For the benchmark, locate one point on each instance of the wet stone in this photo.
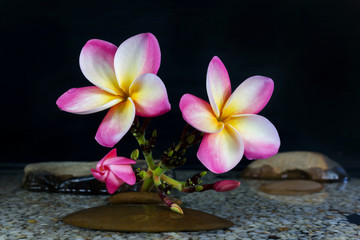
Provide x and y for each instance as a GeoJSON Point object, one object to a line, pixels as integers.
{"type": "Point", "coordinates": [296, 165]}
{"type": "Point", "coordinates": [70, 177]}
{"type": "Point", "coordinates": [354, 218]}
{"type": "Point", "coordinates": [144, 218]}
{"type": "Point", "coordinates": [139, 198]}
{"type": "Point", "coordinates": [135, 198]}
{"type": "Point", "coordinates": [292, 187]}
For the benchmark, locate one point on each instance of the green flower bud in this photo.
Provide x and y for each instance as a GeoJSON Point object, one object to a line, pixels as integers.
{"type": "Point", "coordinates": [175, 208]}
{"type": "Point", "coordinates": [135, 154]}
{"type": "Point", "coordinates": [171, 152]}
{"type": "Point", "coordinates": [154, 133]}
{"type": "Point", "coordinates": [177, 148]}
{"type": "Point", "coordinates": [190, 139]}
{"type": "Point", "coordinates": [141, 174]}
{"type": "Point", "coordinates": [199, 188]}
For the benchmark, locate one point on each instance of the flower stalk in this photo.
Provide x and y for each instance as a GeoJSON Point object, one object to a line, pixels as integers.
{"type": "Point", "coordinates": [145, 145]}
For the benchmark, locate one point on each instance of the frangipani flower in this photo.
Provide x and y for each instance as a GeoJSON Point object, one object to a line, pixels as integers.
{"type": "Point", "coordinates": [229, 122]}
{"type": "Point", "coordinates": [125, 82]}
{"type": "Point", "coordinates": [114, 171]}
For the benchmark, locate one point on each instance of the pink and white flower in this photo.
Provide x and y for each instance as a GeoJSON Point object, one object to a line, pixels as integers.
{"type": "Point", "coordinates": [232, 128]}
{"type": "Point", "coordinates": [125, 82]}
{"type": "Point", "coordinates": [114, 171]}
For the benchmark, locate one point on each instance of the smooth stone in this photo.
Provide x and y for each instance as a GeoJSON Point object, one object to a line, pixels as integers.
{"type": "Point", "coordinates": [292, 187]}
{"type": "Point", "coordinates": [70, 177]}
{"type": "Point", "coordinates": [296, 165]}
{"type": "Point", "coordinates": [65, 177]}
{"type": "Point", "coordinates": [144, 218]}
{"type": "Point", "coordinates": [66, 169]}
{"type": "Point", "coordinates": [139, 198]}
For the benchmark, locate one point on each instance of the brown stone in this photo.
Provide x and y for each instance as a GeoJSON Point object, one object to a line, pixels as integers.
{"type": "Point", "coordinates": [138, 198]}
{"type": "Point", "coordinates": [65, 177]}
{"type": "Point", "coordinates": [135, 198]}
{"type": "Point", "coordinates": [144, 218]}
{"type": "Point", "coordinates": [292, 187]}
{"type": "Point", "coordinates": [296, 165]}
{"type": "Point", "coordinates": [70, 177]}
{"type": "Point", "coordinates": [70, 169]}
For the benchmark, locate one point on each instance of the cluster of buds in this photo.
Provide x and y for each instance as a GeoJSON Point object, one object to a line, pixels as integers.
{"type": "Point", "coordinates": [138, 131]}
{"type": "Point", "coordinates": [165, 188]}
{"type": "Point", "coordinates": [173, 157]}
{"type": "Point", "coordinates": [195, 180]}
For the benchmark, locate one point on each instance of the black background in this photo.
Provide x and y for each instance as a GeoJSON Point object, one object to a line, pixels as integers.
{"type": "Point", "coordinates": [309, 48]}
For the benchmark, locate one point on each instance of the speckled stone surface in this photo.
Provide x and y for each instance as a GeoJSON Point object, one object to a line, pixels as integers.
{"type": "Point", "coordinates": [257, 215]}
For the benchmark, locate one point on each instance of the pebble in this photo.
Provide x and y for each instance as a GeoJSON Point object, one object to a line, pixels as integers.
{"type": "Point", "coordinates": [126, 218]}
{"type": "Point", "coordinates": [79, 238]}
{"type": "Point", "coordinates": [256, 215]}
{"type": "Point", "coordinates": [291, 187]}
{"type": "Point", "coordinates": [297, 165]}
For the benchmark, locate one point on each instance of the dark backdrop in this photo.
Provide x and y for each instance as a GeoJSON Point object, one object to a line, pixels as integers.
{"type": "Point", "coordinates": [309, 48]}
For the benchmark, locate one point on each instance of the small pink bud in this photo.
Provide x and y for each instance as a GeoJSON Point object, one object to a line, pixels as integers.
{"type": "Point", "coordinates": [226, 185]}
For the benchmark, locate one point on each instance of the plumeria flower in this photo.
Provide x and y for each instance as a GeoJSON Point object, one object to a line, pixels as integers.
{"type": "Point", "coordinates": [114, 171]}
{"type": "Point", "coordinates": [232, 128]}
{"type": "Point", "coordinates": [125, 82]}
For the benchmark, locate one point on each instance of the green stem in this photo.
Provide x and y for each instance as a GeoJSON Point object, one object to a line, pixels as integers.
{"type": "Point", "coordinates": [183, 136]}
{"type": "Point", "coordinates": [159, 171]}
{"type": "Point", "coordinates": [176, 184]}
{"type": "Point", "coordinates": [157, 180]}
{"type": "Point", "coordinates": [147, 183]}
{"type": "Point", "coordinates": [148, 156]}
{"type": "Point", "coordinates": [139, 134]}
{"type": "Point", "coordinates": [156, 174]}
{"type": "Point", "coordinates": [149, 160]}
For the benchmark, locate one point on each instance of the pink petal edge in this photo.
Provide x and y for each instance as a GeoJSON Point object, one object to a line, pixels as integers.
{"type": "Point", "coordinates": [218, 85]}
{"type": "Point", "coordinates": [116, 123]}
{"type": "Point", "coordinates": [250, 97]}
{"type": "Point", "coordinates": [113, 183]}
{"type": "Point", "coordinates": [100, 176]}
{"type": "Point", "coordinates": [135, 56]}
{"type": "Point", "coordinates": [124, 172]}
{"type": "Point", "coordinates": [86, 100]}
{"type": "Point", "coordinates": [261, 139]}
{"type": "Point", "coordinates": [199, 114]}
{"type": "Point", "coordinates": [220, 152]}
{"type": "Point", "coordinates": [111, 154]}
{"type": "Point", "coordinates": [97, 64]}
{"type": "Point", "coordinates": [118, 161]}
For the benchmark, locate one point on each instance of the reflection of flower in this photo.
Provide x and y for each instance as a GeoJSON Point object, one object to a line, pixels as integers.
{"type": "Point", "coordinates": [125, 82]}
{"type": "Point", "coordinates": [114, 171]}
{"type": "Point", "coordinates": [229, 122]}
